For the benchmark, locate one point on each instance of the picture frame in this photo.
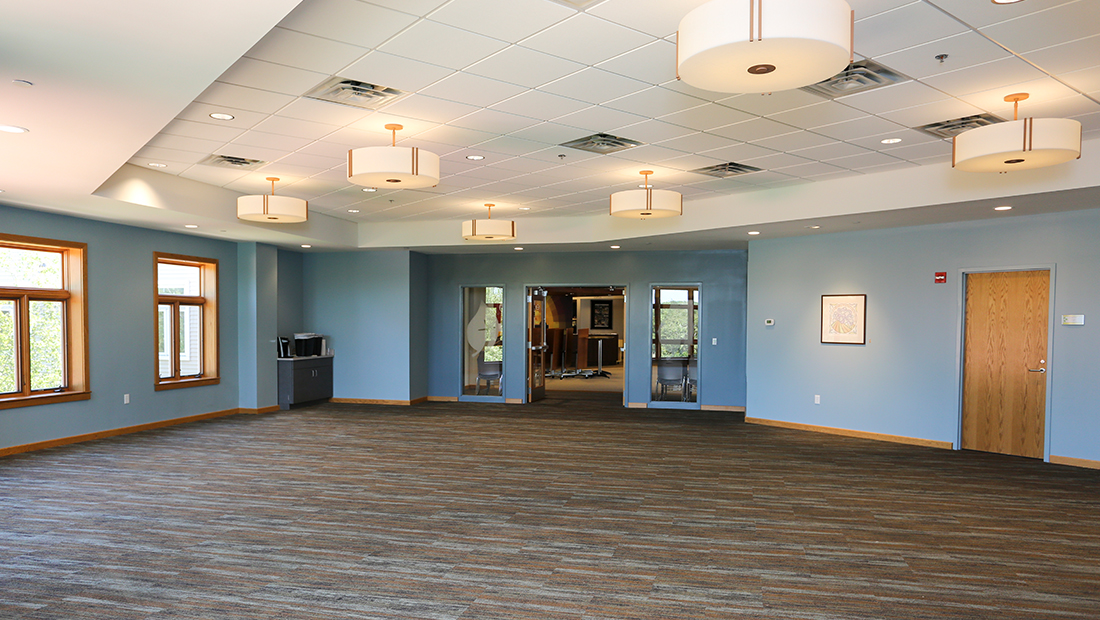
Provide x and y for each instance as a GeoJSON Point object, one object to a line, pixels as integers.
{"type": "Point", "coordinates": [844, 319]}
{"type": "Point", "coordinates": [601, 314]}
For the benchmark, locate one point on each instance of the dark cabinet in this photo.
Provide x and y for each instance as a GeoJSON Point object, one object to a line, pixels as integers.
{"type": "Point", "coordinates": [304, 379]}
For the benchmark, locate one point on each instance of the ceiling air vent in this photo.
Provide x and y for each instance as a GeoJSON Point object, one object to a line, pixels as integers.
{"type": "Point", "coordinates": [859, 77]}
{"type": "Point", "coordinates": [602, 143]}
{"type": "Point", "coordinates": [950, 129]}
{"type": "Point", "coordinates": [729, 169]}
{"type": "Point", "coordinates": [228, 161]}
{"type": "Point", "coordinates": [357, 94]}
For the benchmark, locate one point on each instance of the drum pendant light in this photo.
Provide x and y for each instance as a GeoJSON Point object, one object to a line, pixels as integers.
{"type": "Point", "coordinates": [393, 167]}
{"type": "Point", "coordinates": [271, 208]}
{"type": "Point", "coordinates": [648, 202]}
{"type": "Point", "coordinates": [489, 229]}
{"type": "Point", "coordinates": [763, 46]}
{"type": "Point", "coordinates": [1017, 145]}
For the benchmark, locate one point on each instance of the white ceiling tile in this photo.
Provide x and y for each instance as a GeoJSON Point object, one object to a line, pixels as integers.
{"type": "Point", "coordinates": [865, 160]}
{"type": "Point", "coordinates": [494, 121]}
{"type": "Point", "coordinates": [376, 124]}
{"type": "Point", "coordinates": [587, 39]}
{"type": "Point", "coordinates": [270, 141]}
{"type": "Point", "coordinates": [304, 51]}
{"type": "Point", "coordinates": [348, 137]}
{"type": "Point", "coordinates": [270, 76]}
{"type": "Point", "coordinates": [307, 160]}
{"type": "Point", "coordinates": [212, 175]}
{"type": "Point", "coordinates": [893, 97]}
{"type": "Point", "coordinates": [867, 8]}
{"type": "Point", "coordinates": [921, 151]}
{"type": "Point", "coordinates": [599, 119]}
{"type": "Point", "coordinates": [594, 86]}
{"type": "Point", "coordinates": [1090, 123]}
{"type": "Point", "coordinates": [430, 109]}
{"type": "Point", "coordinates": [754, 129]}
{"type": "Point", "coordinates": [508, 20]}
{"type": "Point", "coordinates": [648, 153]}
{"type": "Point", "coordinates": [905, 26]}
{"type": "Point", "coordinates": [1086, 80]}
{"type": "Point", "coordinates": [472, 89]}
{"type": "Point", "coordinates": [767, 104]}
{"type": "Point", "coordinates": [834, 150]}
{"type": "Point", "coordinates": [932, 113]}
{"type": "Point", "coordinates": [243, 98]}
{"type": "Point", "coordinates": [204, 131]}
{"type": "Point", "coordinates": [295, 127]}
{"type": "Point", "coordinates": [521, 164]}
{"type": "Point", "coordinates": [250, 152]}
{"type": "Point", "coordinates": [540, 105]}
{"type": "Point", "coordinates": [439, 44]}
{"type": "Point", "coordinates": [1010, 70]}
{"type": "Point", "coordinates": [288, 173]}
{"type": "Point", "coordinates": [1065, 22]}
{"type": "Point", "coordinates": [488, 174]}
{"type": "Point", "coordinates": [349, 21]}
{"type": "Point", "coordinates": [963, 50]}
{"type": "Point", "coordinates": [395, 72]}
{"type": "Point", "coordinates": [158, 154]}
{"type": "Point", "coordinates": [550, 133]}
{"type": "Point", "coordinates": [777, 160]}
{"type": "Point", "coordinates": [707, 116]}
{"type": "Point", "coordinates": [1067, 57]}
{"type": "Point", "coordinates": [794, 141]}
{"type": "Point", "coordinates": [457, 136]}
{"type": "Point", "coordinates": [897, 164]}
{"type": "Point", "coordinates": [1041, 91]}
{"type": "Point", "coordinates": [655, 102]}
{"type": "Point", "coordinates": [908, 137]}
{"type": "Point", "coordinates": [1068, 107]}
{"type": "Point", "coordinates": [818, 115]}
{"type": "Point", "coordinates": [691, 162]}
{"type": "Point", "coordinates": [509, 145]}
{"type": "Point", "coordinates": [659, 18]}
{"type": "Point", "coordinates": [519, 65]}
{"type": "Point", "coordinates": [739, 152]}
{"type": "Point", "coordinates": [811, 169]}
{"type": "Point", "coordinates": [980, 14]}
{"type": "Point", "coordinates": [650, 63]}
{"type": "Point", "coordinates": [859, 128]}
{"type": "Point", "coordinates": [200, 113]}
{"type": "Point", "coordinates": [697, 142]}
{"type": "Point", "coordinates": [651, 131]}
{"type": "Point", "coordinates": [318, 111]}
{"type": "Point", "coordinates": [322, 148]}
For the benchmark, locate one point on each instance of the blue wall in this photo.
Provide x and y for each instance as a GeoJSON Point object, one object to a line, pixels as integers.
{"type": "Point", "coordinates": [418, 325]}
{"type": "Point", "coordinates": [290, 294]}
{"type": "Point", "coordinates": [121, 324]}
{"type": "Point", "coordinates": [257, 324]}
{"type": "Point", "coordinates": [721, 274]}
{"type": "Point", "coordinates": [905, 380]}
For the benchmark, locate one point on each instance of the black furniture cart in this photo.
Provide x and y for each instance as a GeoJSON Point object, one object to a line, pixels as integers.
{"type": "Point", "coordinates": [304, 379]}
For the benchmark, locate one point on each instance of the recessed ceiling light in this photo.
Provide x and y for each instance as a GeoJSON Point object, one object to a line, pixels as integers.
{"type": "Point", "coordinates": [754, 232]}
{"type": "Point", "coordinates": [1004, 208]}
{"type": "Point", "coordinates": [306, 245]}
{"type": "Point", "coordinates": [1006, 1]}
{"type": "Point", "coordinates": [157, 165]}
{"type": "Point", "coordinates": [222, 116]}
{"type": "Point", "coordinates": [518, 249]}
{"type": "Point", "coordinates": [353, 210]}
{"type": "Point", "coordinates": [891, 140]}
{"type": "Point", "coordinates": [13, 129]}
{"type": "Point", "coordinates": [475, 157]}
{"type": "Point", "coordinates": [815, 227]}
{"type": "Point", "coordinates": [190, 225]}
{"type": "Point", "coordinates": [525, 208]}
{"type": "Point", "coordinates": [370, 189]}
{"type": "Point", "coordinates": [615, 247]}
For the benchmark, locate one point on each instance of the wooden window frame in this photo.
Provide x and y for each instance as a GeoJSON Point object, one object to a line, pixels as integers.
{"type": "Point", "coordinates": [208, 301]}
{"type": "Point", "coordinates": [74, 296]}
{"type": "Point", "coordinates": [692, 306]}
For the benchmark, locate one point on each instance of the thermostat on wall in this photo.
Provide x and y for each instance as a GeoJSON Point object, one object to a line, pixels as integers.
{"type": "Point", "coordinates": [769, 321]}
{"type": "Point", "coordinates": [1073, 319]}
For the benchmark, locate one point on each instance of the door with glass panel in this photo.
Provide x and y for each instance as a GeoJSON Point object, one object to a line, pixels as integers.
{"type": "Point", "coordinates": [675, 344]}
{"type": "Point", "coordinates": [483, 342]}
{"type": "Point", "coordinates": [536, 344]}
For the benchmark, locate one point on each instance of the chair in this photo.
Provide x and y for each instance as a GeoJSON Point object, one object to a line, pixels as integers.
{"type": "Point", "coordinates": [670, 373]}
{"type": "Point", "coordinates": [488, 372]}
{"type": "Point", "coordinates": [691, 380]}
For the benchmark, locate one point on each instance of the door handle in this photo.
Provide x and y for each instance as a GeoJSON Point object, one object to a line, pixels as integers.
{"type": "Point", "coordinates": [1036, 369]}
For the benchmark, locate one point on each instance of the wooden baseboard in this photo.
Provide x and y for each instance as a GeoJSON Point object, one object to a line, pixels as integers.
{"type": "Point", "coordinates": [913, 441]}
{"type": "Point", "coordinates": [1074, 462]}
{"type": "Point", "coordinates": [513, 401]}
{"type": "Point", "coordinates": [373, 401]}
{"type": "Point", "coordinates": [442, 399]}
{"type": "Point", "coordinates": [114, 432]}
{"type": "Point", "coordinates": [637, 405]}
{"type": "Point", "coordinates": [722, 408]}
{"type": "Point", "coordinates": [271, 409]}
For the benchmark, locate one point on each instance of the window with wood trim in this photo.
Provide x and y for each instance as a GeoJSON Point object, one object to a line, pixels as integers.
{"type": "Point", "coordinates": [187, 321]}
{"type": "Point", "coordinates": [43, 321]}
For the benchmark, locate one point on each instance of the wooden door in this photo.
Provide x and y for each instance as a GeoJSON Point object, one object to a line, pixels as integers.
{"type": "Point", "coordinates": [1004, 362]}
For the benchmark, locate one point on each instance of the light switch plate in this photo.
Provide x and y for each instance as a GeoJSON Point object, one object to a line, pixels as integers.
{"type": "Point", "coordinates": [1073, 319]}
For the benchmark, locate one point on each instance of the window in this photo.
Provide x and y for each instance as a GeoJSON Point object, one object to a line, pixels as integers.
{"type": "Point", "coordinates": [187, 321]}
{"type": "Point", "coordinates": [43, 321]}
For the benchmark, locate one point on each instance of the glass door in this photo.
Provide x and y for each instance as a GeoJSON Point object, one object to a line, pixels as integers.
{"type": "Point", "coordinates": [536, 344]}
{"type": "Point", "coordinates": [483, 342]}
{"type": "Point", "coordinates": [675, 345]}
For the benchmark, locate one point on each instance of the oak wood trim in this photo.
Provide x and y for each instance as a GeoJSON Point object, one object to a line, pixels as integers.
{"type": "Point", "coordinates": [186, 383]}
{"type": "Point", "coordinates": [114, 432]}
{"type": "Point", "coordinates": [442, 399]}
{"type": "Point", "coordinates": [722, 408]}
{"type": "Point", "coordinates": [513, 401]}
{"type": "Point", "coordinates": [912, 441]}
{"type": "Point", "coordinates": [369, 401]}
{"type": "Point", "coordinates": [1074, 462]}
{"type": "Point", "coordinates": [271, 409]}
{"type": "Point", "coordinates": [637, 405]}
{"type": "Point", "coordinates": [43, 399]}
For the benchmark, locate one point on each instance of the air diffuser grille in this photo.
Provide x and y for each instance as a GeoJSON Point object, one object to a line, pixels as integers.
{"type": "Point", "coordinates": [950, 129]}
{"type": "Point", "coordinates": [229, 161]}
{"type": "Point", "coordinates": [859, 77]}
{"type": "Point", "coordinates": [602, 143]}
{"type": "Point", "coordinates": [729, 169]}
{"type": "Point", "coordinates": [356, 94]}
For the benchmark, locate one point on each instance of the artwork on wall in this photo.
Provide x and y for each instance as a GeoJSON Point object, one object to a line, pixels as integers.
{"type": "Point", "coordinates": [843, 319]}
{"type": "Point", "coordinates": [601, 314]}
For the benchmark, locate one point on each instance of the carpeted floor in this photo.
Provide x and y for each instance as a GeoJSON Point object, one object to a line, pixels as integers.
{"type": "Point", "coordinates": [565, 509]}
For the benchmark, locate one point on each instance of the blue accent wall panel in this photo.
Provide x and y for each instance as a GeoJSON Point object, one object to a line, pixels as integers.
{"type": "Point", "coordinates": [906, 379]}
{"type": "Point", "coordinates": [290, 293]}
{"type": "Point", "coordinates": [418, 325]}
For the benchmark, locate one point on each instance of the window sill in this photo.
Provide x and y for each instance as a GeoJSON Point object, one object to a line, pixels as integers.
{"type": "Point", "coordinates": [42, 399]}
{"type": "Point", "coordinates": [186, 383]}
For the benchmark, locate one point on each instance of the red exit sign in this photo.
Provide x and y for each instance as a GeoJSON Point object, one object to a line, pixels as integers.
{"type": "Point", "coordinates": [941, 277]}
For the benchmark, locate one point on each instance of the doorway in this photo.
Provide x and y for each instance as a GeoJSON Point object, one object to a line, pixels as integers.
{"type": "Point", "coordinates": [1006, 323]}
{"type": "Point", "coordinates": [576, 341]}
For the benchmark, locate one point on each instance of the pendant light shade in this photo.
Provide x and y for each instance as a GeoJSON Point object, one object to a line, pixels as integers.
{"type": "Point", "coordinates": [394, 167]}
{"type": "Point", "coordinates": [648, 202]}
{"type": "Point", "coordinates": [271, 208]}
{"type": "Point", "coordinates": [1020, 144]}
{"type": "Point", "coordinates": [763, 46]}
{"type": "Point", "coordinates": [489, 229]}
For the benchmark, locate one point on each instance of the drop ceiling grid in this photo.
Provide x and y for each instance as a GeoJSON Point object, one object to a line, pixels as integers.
{"type": "Point", "coordinates": [527, 110]}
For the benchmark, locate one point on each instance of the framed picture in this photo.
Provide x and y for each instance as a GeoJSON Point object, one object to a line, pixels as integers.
{"type": "Point", "coordinates": [844, 319]}
{"type": "Point", "coordinates": [601, 314]}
